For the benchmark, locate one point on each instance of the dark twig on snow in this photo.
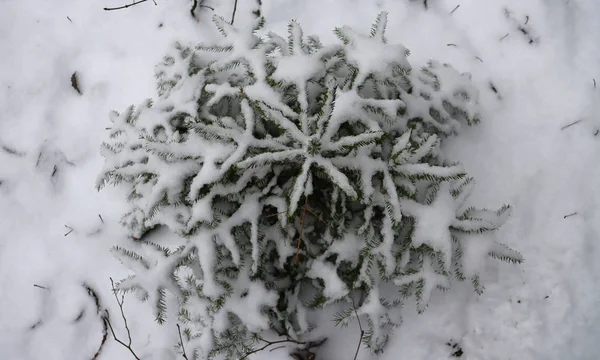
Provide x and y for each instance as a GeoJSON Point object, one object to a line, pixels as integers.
{"type": "Point", "coordinates": [569, 215]}
{"type": "Point", "coordinates": [597, 132]}
{"type": "Point", "coordinates": [75, 83]}
{"type": "Point", "coordinates": [181, 342]}
{"type": "Point", "coordinates": [504, 37]}
{"type": "Point", "coordinates": [362, 331]}
{"type": "Point", "coordinates": [107, 320]}
{"type": "Point", "coordinates": [594, 83]}
{"type": "Point", "coordinates": [478, 58]}
{"type": "Point", "coordinates": [526, 19]}
{"type": "Point", "coordinates": [571, 124]}
{"type": "Point", "coordinates": [234, 10]}
{"type": "Point", "coordinates": [68, 18]}
{"type": "Point", "coordinates": [70, 229]}
{"type": "Point", "coordinates": [277, 348]}
{"type": "Point", "coordinates": [12, 151]}
{"type": "Point", "coordinates": [101, 219]}
{"type": "Point", "coordinates": [271, 343]}
{"type": "Point", "coordinates": [257, 12]}
{"type": "Point", "coordinates": [41, 287]}
{"type": "Point", "coordinates": [456, 8]}
{"type": "Point", "coordinates": [94, 295]}
{"type": "Point", "coordinates": [451, 45]}
{"type": "Point", "coordinates": [493, 87]}
{"type": "Point", "coordinates": [195, 5]}
{"type": "Point", "coordinates": [128, 5]}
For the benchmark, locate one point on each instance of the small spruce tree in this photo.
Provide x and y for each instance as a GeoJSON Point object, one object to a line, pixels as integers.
{"type": "Point", "coordinates": [296, 175]}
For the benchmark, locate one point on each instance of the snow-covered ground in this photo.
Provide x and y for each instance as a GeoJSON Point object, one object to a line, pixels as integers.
{"type": "Point", "coordinates": [56, 230]}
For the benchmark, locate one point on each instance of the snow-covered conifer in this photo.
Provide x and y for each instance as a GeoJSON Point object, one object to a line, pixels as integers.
{"type": "Point", "coordinates": [296, 175]}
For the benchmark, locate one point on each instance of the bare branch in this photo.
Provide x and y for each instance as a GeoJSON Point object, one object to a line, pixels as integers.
{"type": "Point", "coordinates": [234, 10]}
{"type": "Point", "coordinates": [70, 229]}
{"type": "Point", "coordinates": [126, 6]}
{"type": "Point", "coordinates": [571, 124]}
{"type": "Point", "coordinates": [362, 331]}
{"type": "Point", "coordinates": [107, 320]}
{"type": "Point", "coordinates": [270, 343]}
{"type": "Point", "coordinates": [92, 294]}
{"type": "Point", "coordinates": [181, 342]}
{"type": "Point", "coordinates": [195, 5]}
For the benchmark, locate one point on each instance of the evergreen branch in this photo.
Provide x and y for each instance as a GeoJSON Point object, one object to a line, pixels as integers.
{"type": "Point", "coordinates": [107, 320]}
{"type": "Point", "coordinates": [297, 257]}
{"type": "Point", "coordinates": [271, 343]}
{"type": "Point", "coordinates": [181, 342]}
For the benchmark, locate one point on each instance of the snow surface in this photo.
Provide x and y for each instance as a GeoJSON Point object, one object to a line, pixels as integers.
{"type": "Point", "coordinates": [57, 230]}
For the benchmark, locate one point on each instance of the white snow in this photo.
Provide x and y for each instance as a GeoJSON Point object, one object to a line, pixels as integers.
{"type": "Point", "coordinates": [335, 288]}
{"type": "Point", "coordinates": [433, 221]}
{"type": "Point", "coordinates": [546, 308]}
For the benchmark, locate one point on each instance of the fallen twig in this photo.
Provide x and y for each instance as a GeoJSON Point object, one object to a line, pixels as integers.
{"type": "Point", "coordinates": [456, 8]}
{"type": "Point", "coordinates": [270, 343]}
{"type": "Point", "coordinates": [362, 331]}
{"type": "Point", "coordinates": [107, 320]}
{"type": "Point", "coordinates": [196, 5]}
{"type": "Point", "coordinates": [571, 124]}
{"type": "Point", "coordinates": [493, 87]}
{"type": "Point", "coordinates": [234, 10]}
{"type": "Point", "coordinates": [504, 37]}
{"type": "Point", "coordinates": [12, 151]}
{"type": "Point", "coordinates": [181, 342]}
{"type": "Point", "coordinates": [70, 229]}
{"type": "Point", "coordinates": [101, 219]}
{"type": "Point", "coordinates": [128, 5]}
{"type": "Point", "coordinates": [92, 294]}
{"type": "Point", "coordinates": [569, 215]}
{"type": "Point", "coordinates": [75, 83]}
